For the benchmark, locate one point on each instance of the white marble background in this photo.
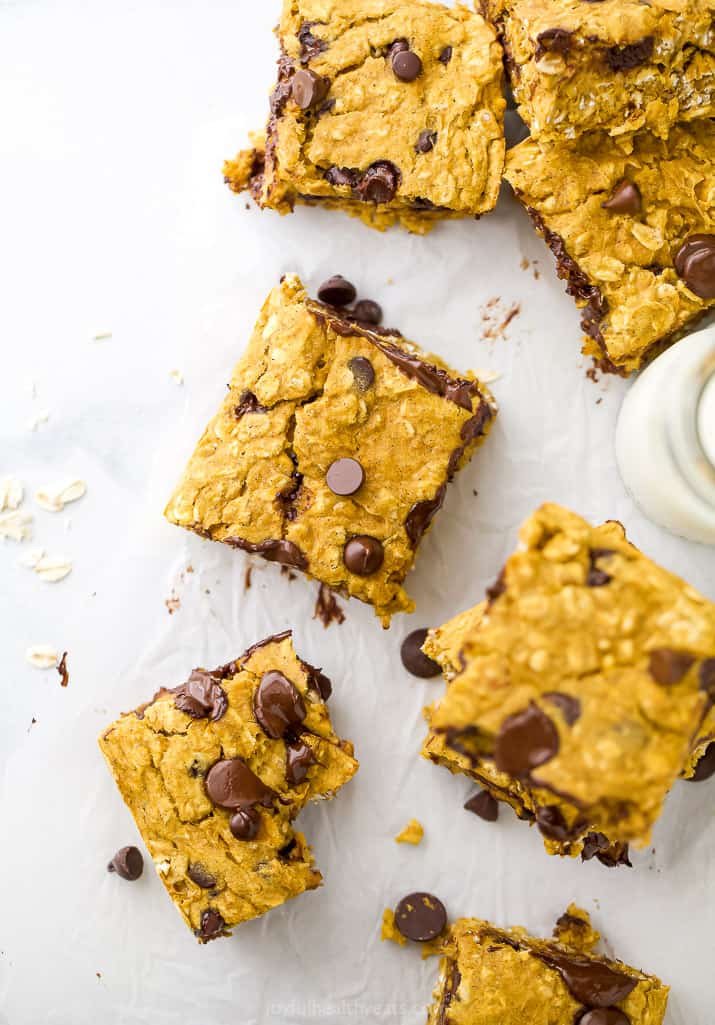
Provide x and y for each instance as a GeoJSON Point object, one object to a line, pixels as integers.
{"type": "Point", "coordinates": [114, 119]}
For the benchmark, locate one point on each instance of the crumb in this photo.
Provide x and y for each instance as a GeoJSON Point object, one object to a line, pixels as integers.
{"type": "Point", "coordinates": [287, 572]}
{"type": "Point", "coordinates": [412, 833]}
{"type": "Point", "coordinates": [63, 670]}
{"type": "Point", "coordinates": [475, 493]}
{"type": "Point", "coordinates": [599, 401]}
{"type": "Point", "coordinates": [537, 273]}
{"type": "Point", "coordinates": [41, 418]}
{"type": "Point", "coordinates": [327, 609]}
{"type": "Point", "coordinates": [247, 578]}
{"type": "Point", "coordinates": [98, 974]}
{"type": "Point", "coordinates": [525, 264]}
{"type": "Point", "coordinates": [173, 603]}
{"type": "Point", "coordinates": [189, 569]}
{"type": "Point", "coordinates": [513, 312]}
{"type": "Point", "coordinates": [32, 723]}
{"type": "Point", "coordinates": [573, 929]}
{"type": "Point", "coordinates": [248, 206]}
{"type": "Point", "coordinates": [592, 374]}
{"type": "Point", "coordinates": [496, 318]}
{"type": "Point", "coordinates": [389, 930]}
{"type": "Point", "coordinates": [102, 336]}
{"type": "Point", "coordinates": [176, 376]}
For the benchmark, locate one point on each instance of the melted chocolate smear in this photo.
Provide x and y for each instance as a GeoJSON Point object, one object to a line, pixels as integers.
{"type": "Point", "coordinates": [596, 845]}
{"type": "Point", "coordinates": [705, 769]}
{"type": "Point", "coordinates": [668, 667]}
{"type": "Point", "coordinates": [552, 824]}
{"type": "Point", "coordinates": [310, 44]}
{"type": "Point", "coordinates": [553, 40]}
{"type": "Point", "coordinates": [231, 784]}
{"type": "Point", "coordinates": [248, 403]}
{"type": "Point", "coordinates": [590, 982]}
{"type": "Point", "coordinates": [212, 925]}
{"type": "Point", "coordinates": [318, 681]}
{"type": "Point", "coordinates": [299, 758]}
{"type": "Point", "coordinates": [63, 671]}
{"type": "Point", "coordinates": [625, 58]}
{"type": "Point", "coordinates": [498, 588]}
{"type": "Point", "coordinates": [706, 677]}
{"type": "Point", "coordinates": [327, 609]}
{"type": "Point", "coordinates": [526, 740]}
{"type": "Point", "coordinates": [278, 706]}
{"type": "Point", "coordinates": [201, 697]}
{"type": "Point", "coordinates": [452, 979]}
{"type": "Point", "coordinates": [284, 552]}
{"type": "Point", "coordinates": [421, 515]}
{"type": "Point", "coordinates": [198, 874]}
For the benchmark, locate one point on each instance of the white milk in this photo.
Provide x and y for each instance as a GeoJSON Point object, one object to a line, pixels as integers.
{"type": "Point", "coordinates": [665, 438]}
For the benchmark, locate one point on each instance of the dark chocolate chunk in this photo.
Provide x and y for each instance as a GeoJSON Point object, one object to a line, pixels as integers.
{"type": "Point", "coordinates": [128, 863]}
{"type": "Point", "coordinates": [284, 552]}
{"type": "Point", "coordinates": [553, 40]}
{"type": "Point", "coordinates": [596, 845]}
{"type": "Point", "coordinates": [625, 58]}
{"type": "Point", "coordinates": [379, 182]}
{"type": "Point", "coordinates": [695, 264]}
{"type": "Point", "coordinates": [336, 291]}
{"type": "Point", "coordinates": [367, 312]}
{"type": "Point", "coordinates": [201, 697]}
{"type": "Point", "coordinates": [446, 55]}
{"type": "Point", "coordinates": [318, 681]}
{"type": "Point", "coordinates": [604, 1015]}
{"type": "Point", "coordinates": [212, 925]}
{"type": "Point", "coordinates": [668, 666]}
{"type": "Point", "coordinates": [231, 784]}
{"type": "Point", "coordinates": [342, 176]}
{"type": "Point", "coordinates": [706, 676]}
{"type": "Point", "coordinates": [596, 576]}
{"type": "Point", "coordinates": [569, 706]}
{"type": "Point", "coordinates": [625, 199]}
{"type": "Point", "coordinates": [345, 476]}
{"type": "Point", "coordinates": [705, 767]}
{"type": "Point", "coordinates": [245, 824]}
{"type": "Point", "coordinates": [310, 44]}
{"type": "Point", "coordinates": [420, 917]}
{"type": "Point", "coordinates": [363, 555]}
{"type": "Point", "coordinates": [278, 705]}
{"type": "Point", "coordinates": [421, 515]}
{"type": "Point", "coordinates": [591, 982]}
{"type": "Point", "coordinates": [398, 46]}
{"type": "Point", "coordinates": [552, 824]}
{"type": "Point", "coordinates": [426, 141]}
{"type": "Point", "coordinates": [299, 758]}
{"type": "Point", "coordinates": [281, 93]}
{"type": "Point", "coordinates": [63, 670]}
{"type": "Point", "coordinates": [362, 370]}
{"type": "Point", "coordinates": [414, 659]}
{"type": "Point", "coordinates": [201, 876]}
{"type": "Point", "coordinates": [248, 403]}
{"type": "Point", "coordinates": [484, 805]}
{"type": "Point", "coordinates": [526, 740]}
{"type": "Point", "coordinates": [309, 89]}
{"type": "Point", "coordinates": [406, 65]}
{"type": "Point", "coordinates": [327, 609]}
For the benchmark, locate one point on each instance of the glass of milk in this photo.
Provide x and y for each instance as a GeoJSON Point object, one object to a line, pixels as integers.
{"type": "Point", "coordinates": [665, 438]}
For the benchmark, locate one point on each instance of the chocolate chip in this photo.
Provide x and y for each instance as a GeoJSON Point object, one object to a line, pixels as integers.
{"type": "Point", "coordinates": [128, 863]}
{"type": "Point", "coordinates": [287, 849]}
{"type": "Point", "coordinates": [695, 264]}
{"type": "Point", "coordinates": [248, 403]}
{"type": "Point", "coordinates": [604, 1015]}
{"type": "Point", "coordinates": [201, 697]}
{"type": "Point", "coordinates": [596, 845]}
{"type": "Point", "coordinates": [406, 65]}
{"type": "Point", "coordinates": [362, 370]}
{"type": "Point", "coordinates": [484, 805]}
{"type": "Point", "coordinates": [345, 476]}
{"type": "Point", "coordinates": [420, 917]}
{"type": "Point", "coordinates": [308, 89]}
{"type": "Point", "coordinates": [426, 141]}
{"type": "Point", "coordinates": [231, 784]}
{"type": "Point", "coordinates": [446, 55]}
{"type": "Point", "coordinates": [625, 199]}
{"type": "Point", "coordinates": [310, 44]}
{"type": "Point", "coordinates": [553, 40]}
{"type": "Point", "coordinates": [421, 515]}
{"type": "Point", "coordinates": [525, 741]}
{"type": "Point", "coordinates": [552, 824]}
{"type": "Point", "coordinates": [667, 666]}
{"type": "Point", "coordinates": [336, 291]}
{"type": "Point", "coordinates": [625, 58]}
{"type": "Point", "coordinates": [414, 659]}
{"type": "Point", "coordinates": [399, 46]}
{"type": "Point", "coordinates": [286, 553]}
{"type": "Point", "coordinates": [201, 876]}
{"type": "Point", "coordinates": [363, 555]}
{"type": "Point", "coordinates": [342, 177]}
{"type": "Point", "coordinates": [596, 576]}
{"type": "Point", "coordinates": [367, 312]}
{"type": "Point", "coordinates": [705, 767]}
{"type": "Point", "coordinates": [379, 183]}
{"type": "Point", "coordinates": [245, 824]}
{"type": "Point", "coordinates": [212, 924]}
{"type": "Point", "coordinates": [278, 705]}
{"type": "Point", "coordinates": [593, 983]}
{"type": "Point", "coordinates": [706, 676]}
{"type": "Point", "coordinates": [569, 706]}
{"type": "Point", "coordinates": [299, 758]}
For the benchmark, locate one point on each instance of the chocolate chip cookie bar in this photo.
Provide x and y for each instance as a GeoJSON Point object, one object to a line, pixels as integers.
{"type": "Point", "coordinates": [332, 450]}
{"type": "Point", "coordinates": [617, 65]}
{"type": "Point", "coordinates": [390, 110]}
{"type": "Point", "coordinates": [490, 975]}
{"type": "Point", "coordinates": [631, 223]}
{"type": "Point", "coordinates": [214, 772]}
{"type": "Point", "coordinates": [578, 690]}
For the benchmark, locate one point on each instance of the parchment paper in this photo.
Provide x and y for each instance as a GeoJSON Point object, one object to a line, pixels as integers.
{"type": "Point", "coordinates": [116, 123]}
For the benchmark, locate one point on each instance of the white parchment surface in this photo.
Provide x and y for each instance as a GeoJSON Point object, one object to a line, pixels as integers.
{"type": "Point", "coordinates": [114, 219]}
